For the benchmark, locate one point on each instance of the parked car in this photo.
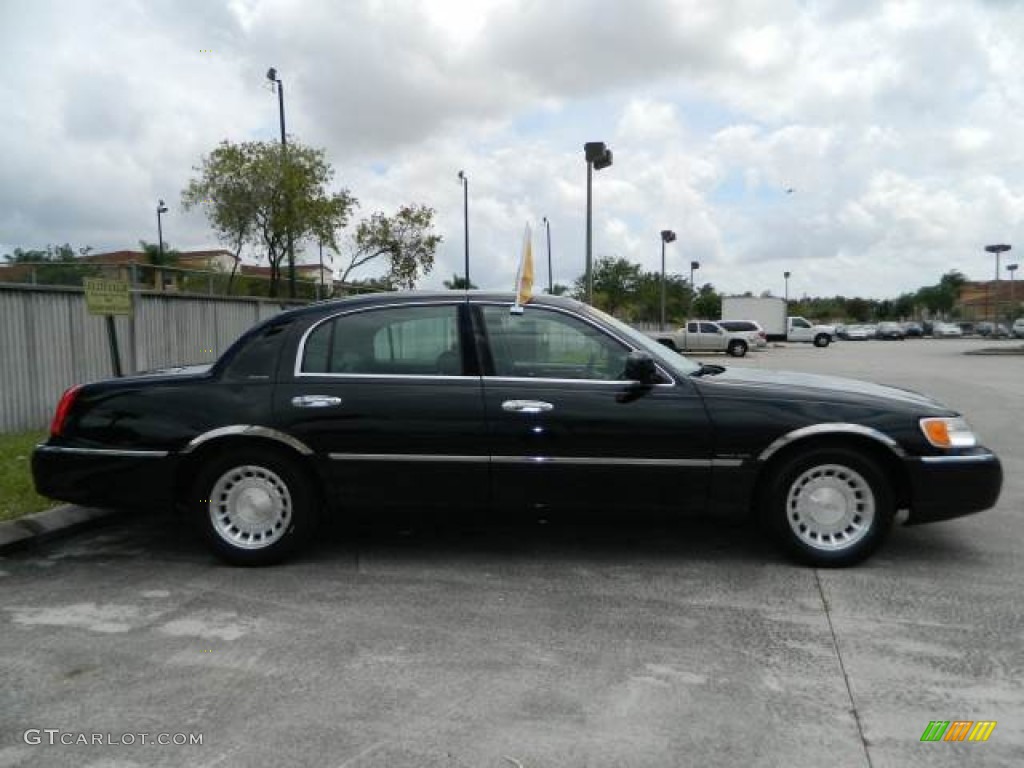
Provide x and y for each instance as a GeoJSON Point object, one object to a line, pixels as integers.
{"type": "Point", "coordinates": [454, 401]}
{"type": "Point", "coordinates": [751, 329]}
{"type": "Point", "coordinates": [1018, 328]}
{"type": "Point", "coordinates": [985, 328]}
{"type": "Point", "coordinates": [912, 330]}
{"type": "Point", "coordinates": [946, 331]}
{"type": "Point", "coordinates": [890, 331]}
{"type": "Point", "coordinates": [853, 333]}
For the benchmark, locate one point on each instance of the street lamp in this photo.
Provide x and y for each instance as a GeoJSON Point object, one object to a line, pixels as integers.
{"type": "Point", "coordinates": [598, 157]}
{"type": "Point", "coordinates": [551, 283]}
{"type": "Point", "coordinates": [272, 77]}
{"type": "Point", "coordinates": [786, 276]}
{"type": "Point", "coordinates": [1011, 268]}
{"type": "Point", "coordinates": [693, 292]}
{"type": "Point", "coordinates": [667, 236]}
{"type": "Point", "coordinates": [997, 250]}
{"type": "Point", "coordinates": [161, 209]}
{"type": "Point", "coordinates": [465, 218]}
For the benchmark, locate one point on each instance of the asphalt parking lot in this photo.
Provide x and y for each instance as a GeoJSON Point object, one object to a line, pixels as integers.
{"type": "Point", "coordinates": [538, 644]}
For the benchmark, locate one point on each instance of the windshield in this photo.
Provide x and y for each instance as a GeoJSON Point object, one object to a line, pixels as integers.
{"type": "Point", "coordinates": [676, 363]}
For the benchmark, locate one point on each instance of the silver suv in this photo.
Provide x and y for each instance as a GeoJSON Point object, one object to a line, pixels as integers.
{"type": "Point", "coordinates": [750, 329]}
{"type": "Point", "coordinates": [1018, 328]}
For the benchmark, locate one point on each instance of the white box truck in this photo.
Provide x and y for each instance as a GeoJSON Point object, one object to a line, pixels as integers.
{"type": "Point", "coordinates": [770, 313]}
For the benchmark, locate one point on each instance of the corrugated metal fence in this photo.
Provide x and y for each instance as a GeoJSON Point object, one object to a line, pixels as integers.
{"type": "Point", "coordinates": [48, 342]}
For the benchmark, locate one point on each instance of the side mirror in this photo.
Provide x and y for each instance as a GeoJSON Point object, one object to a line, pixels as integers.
{"type": "Point", "coordinates": [640, 367]}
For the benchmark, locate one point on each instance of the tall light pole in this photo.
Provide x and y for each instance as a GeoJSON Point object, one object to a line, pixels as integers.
{"type": "Point", "coordinates": [598, 157]}
{"type": "Point", "coordinates": [667, 236]}
{"type": "Point", "coordinates": [465, 219]}
{"type": "Point", "coordinates": [693, 291]}
{"type": "Point", "coordinates": [997, 250]}
{"type": "Point", "coordinates": [161, 209]}
{"type": "Point", "coordinates": [785, 275]}
{"type": "Point", "coordinates": [551, 279]}
{"type": "Point", "coordinates": [1011, 268]}
{"type": "Point", "coordinates": [272, 77]}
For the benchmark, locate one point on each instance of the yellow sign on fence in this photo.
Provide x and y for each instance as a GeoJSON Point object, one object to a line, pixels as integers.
{"type": "Point", "coordinates": [107, 297]}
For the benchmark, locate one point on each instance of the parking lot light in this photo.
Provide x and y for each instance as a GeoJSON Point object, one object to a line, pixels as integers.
{"type": "Point", "coordinates": [598, 157]}
{"type": "Point", "coordinates": [667, 236]}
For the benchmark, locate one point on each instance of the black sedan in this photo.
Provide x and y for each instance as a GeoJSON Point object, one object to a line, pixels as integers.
{"type": "Point", "coordinates": [461, 402]}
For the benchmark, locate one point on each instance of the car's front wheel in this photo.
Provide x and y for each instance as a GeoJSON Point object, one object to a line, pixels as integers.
{"type": "Point", "coordinates": [822, 340]}
{"type": "Point", "coordinates": [254, 505]}
{"type": "Point", "coordinates": [737, 348]}
{"type": "Point", "coordinates": [830, 507]}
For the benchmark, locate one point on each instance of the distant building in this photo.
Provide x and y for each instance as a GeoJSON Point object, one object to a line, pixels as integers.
{"type": "Point", "coordinates": [989, 300]}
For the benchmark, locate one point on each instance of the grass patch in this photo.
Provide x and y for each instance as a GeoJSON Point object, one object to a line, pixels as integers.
{"type": "Point", "coordinates": [17, 493]}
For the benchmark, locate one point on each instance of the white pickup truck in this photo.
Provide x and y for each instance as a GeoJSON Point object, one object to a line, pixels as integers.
{"type": "Point", "coordinates": [799, 329]}
{"type": "Point", "coordinates": [703, 336]}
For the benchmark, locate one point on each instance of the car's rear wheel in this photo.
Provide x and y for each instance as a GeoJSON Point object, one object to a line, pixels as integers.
{"type": "Point", "coordinates": [830, 507]}
{"type": "Point", "coordinates": [737, 348]}
{"type": "Point", "coordinates": [254, 505]}
{"type": "Point", "coordinates": [822, 340]}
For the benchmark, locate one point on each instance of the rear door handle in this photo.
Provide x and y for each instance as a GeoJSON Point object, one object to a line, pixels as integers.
{"type": "Point", "coordinates": [315, 401]}
{"type": "Point", "coordinates": [526, 406]}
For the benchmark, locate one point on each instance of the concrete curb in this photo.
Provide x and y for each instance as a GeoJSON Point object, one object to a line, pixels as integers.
{"type": "Point", "coordinates": [49, 524]}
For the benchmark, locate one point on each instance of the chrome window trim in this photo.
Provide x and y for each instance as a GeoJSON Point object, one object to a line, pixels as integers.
{"type": "Point", "coordinates": [298, 373]}
{"type": "Point", "coordinates": [602, 382]}
{"type": "Point", "coordinates": [838, 428]}
{"type": "Point", "coordinates": [119, 452]}
{"type": "Point", "coordinates": [248, 430]}
{"type": "Point", "coordinates": [416, 376]}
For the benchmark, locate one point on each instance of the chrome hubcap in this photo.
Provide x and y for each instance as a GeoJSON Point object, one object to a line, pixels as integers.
{"type": "Point", "coordinates": [250, 507]}
{"type": "Point", "coordinates": [830, 507]}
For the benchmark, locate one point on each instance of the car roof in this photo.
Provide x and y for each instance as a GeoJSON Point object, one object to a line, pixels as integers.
{"type": "Point", "coordinates": [391, 298]}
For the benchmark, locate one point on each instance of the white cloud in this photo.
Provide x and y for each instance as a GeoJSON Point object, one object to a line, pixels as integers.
{"type": "Point", "coordinates": [896, 125]}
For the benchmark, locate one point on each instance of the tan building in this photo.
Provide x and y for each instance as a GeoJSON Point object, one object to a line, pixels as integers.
{"type": "Point", "coordinates": [994, 300]}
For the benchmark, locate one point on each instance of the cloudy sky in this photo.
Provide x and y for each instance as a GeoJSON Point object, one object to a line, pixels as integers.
{"type": "Point", "coordinates": [898, 126]}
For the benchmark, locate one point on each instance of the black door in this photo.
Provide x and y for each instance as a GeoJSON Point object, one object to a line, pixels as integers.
{"type": "Point", "coordinates": [385, 398]}
{"type": "Point", "coordinates": [567, 433]}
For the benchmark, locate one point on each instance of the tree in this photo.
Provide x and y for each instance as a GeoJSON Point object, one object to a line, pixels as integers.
{"type": "Point", "coordinates": [264, 195]}
{"type": "Point", "coordinates": [615, 282]}
{"type": "Point", "coordinates": [168, 258]}
{"type": "Point", "coordinates": [406, 240]}
{"type": "Point", "coordinates": [458, 283]}
{"type": "Point", "coordinates": [559, 290]}
{"type": "Point", "coordinates": [708, 302]}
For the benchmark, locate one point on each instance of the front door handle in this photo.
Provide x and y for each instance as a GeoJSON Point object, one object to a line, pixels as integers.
{"type": "Point", "coordinates": [526, 406]}
{"type": "Point", "coordinates": [315, 401]}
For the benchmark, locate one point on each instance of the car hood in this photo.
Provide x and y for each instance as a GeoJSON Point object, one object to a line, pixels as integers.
{"type": "Point", "coordinates": [794, 384]}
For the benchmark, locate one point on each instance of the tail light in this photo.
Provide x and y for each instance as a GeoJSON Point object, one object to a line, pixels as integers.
{"type": "Point", "coordinates": [63, 409]}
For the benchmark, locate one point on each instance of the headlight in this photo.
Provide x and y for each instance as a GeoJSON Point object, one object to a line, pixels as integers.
{"type": "Point", "coordinates": [948, 432]}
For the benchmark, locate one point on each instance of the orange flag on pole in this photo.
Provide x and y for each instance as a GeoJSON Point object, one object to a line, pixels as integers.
{"type": "Point", "coordinates": [524, 279]}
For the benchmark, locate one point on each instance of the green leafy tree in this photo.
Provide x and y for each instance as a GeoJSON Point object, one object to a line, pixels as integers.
{"type": "Point", "coordinates": [406, 241]}
{"type": "Point", "coordinates": [458, 283]}
{"type": "Point", "coordinates": [559, 290]}
{"type": "Point", "coordinates": [615, 283]}
{"type": "Point", "coordinates": [267, 196]}
{"type": "Point", "coordinates": [708, 302]}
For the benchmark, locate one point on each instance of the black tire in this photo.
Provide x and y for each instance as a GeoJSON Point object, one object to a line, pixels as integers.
{"type": "Point", "coordinates": [810, 488]}
{"type": "Point", "coordinates": [737, 348]}
{"type": "Point", "coordinates": [278, 513]}
{"type": "Point", "coordinates": [822, 340]}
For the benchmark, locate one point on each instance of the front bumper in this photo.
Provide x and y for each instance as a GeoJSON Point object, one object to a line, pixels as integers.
{"type": "Point", "coordinates": [103, 477]}
{"type": "Point", "coordinates": [944, 487]}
